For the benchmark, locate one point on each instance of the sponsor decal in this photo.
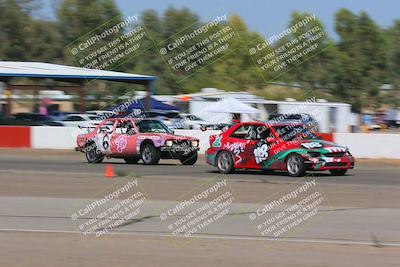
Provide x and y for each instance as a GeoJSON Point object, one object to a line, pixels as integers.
{"type": "Point", "coordinates": [121, 142]}
{"type": "Point", "coordinates": [236, 148]}
{"type": "Point", "coordinates": [217, 142]}
{"type": "Point", "coordinates": [312, 145]}
{"type": "Point", "coordinates": [261, 152]}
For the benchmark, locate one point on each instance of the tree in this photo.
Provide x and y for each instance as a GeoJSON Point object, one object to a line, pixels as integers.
{"type": "Point", "coordinates": [372, 51]}
{"type": "Point", "coordinates": [161, 31]}
{"type": "Point", "coordinates": [14, 28]}
{"type": "Point", "coordinates": [81, 19]}
{"type": "Point", "coordinates": [353, 68]}
{"type": "Point", "coordinates": [310, 70]}
{"type": "Point", "coordinates": [235, 70]}
{"type": "Point", "coordinates": [393, 55]}
{"type": "Point", "coordinates": [24, 37]}
{"type": "Point", "coordinates": [45, 42]}
{"type": "Point", "coordinates": [361, 55]}
{"type": "Point", "coordinates": [148, 60]}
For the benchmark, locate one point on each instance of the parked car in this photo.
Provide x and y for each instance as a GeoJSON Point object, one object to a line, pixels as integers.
{"type": "Point", "coordinates": [81, 120]}
{"type": "Point", "coordinates": [31, 119]}
{"type": "Point", "coordinates": [392, 118]}
{"type": "Point", "coordinates": [218, 126]}
{"type": "Point", "coordinates": [287, 147]}
{"type": "Point", "coordinates": [302, 118]}
{"type": "Point", "coordinates": [148, 140]}
{"type": "Point", "coordinates": [191, 121]}
{"type": "Point", "coordinates": [58, 115]}
{"type": "Point", "coordinates": [106, 113]}
{"type": "Point", "coordinates": [169, 118]}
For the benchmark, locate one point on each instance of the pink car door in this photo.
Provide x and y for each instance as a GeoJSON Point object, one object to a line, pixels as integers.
{"type": "Point", "coordinates": [124, 139]}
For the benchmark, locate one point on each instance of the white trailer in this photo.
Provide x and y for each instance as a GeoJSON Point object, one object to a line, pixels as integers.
{"type": "Point", "coordinates": [331, 117]}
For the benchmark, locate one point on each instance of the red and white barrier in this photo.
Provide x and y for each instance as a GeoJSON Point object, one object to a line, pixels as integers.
{"type": "Point", "coordinates": [370, 145]}
{"type": "Point", "coordinates": [54, 137]}
{"type": "Point", "coordinates": [362, 145]}
{"type": "Point", "coordinates": [15, 136]}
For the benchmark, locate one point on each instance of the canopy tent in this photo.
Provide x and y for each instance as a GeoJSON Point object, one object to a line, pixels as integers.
{"type": "Point", "coordinates": [154, 104]}
{"type": "Point", "coordinates": [231, 105]}
{"type": "Point", "coordinates": [11, 70]}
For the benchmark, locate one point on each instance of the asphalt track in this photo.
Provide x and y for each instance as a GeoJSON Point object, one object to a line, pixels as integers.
{"type": "Point", "coordinates": [377, 174]}
{"type": "Point", "coordinates": [41, 190]}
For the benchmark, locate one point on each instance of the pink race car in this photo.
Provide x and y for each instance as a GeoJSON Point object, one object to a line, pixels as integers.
{"type": "Point", "coordinates": [135, 139]}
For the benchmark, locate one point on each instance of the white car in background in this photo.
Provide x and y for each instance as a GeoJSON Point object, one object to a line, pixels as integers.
{"type": "Point", "coordinates": [106, 113]}
{"type": "Point", "coordinates": [191, 121]}
{"type": "Point", "coordinates": [81, 120]}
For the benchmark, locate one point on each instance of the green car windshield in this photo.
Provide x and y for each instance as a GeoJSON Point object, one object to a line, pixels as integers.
{"type": "Point", "coordinates": [153, 126]}
{"type": "Point", "coordinates": [294, 132]}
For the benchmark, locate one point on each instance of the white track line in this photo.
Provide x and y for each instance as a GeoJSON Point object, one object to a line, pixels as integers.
{"type": "Point", "coordinates": [224, 237]}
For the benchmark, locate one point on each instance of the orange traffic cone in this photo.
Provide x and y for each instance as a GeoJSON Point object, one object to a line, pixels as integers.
{"type": "Point", "coordinates": [109, 171]}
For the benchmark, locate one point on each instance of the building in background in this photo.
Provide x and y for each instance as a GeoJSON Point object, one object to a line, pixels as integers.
{"type": "Point", "coordinates": [331, 116]}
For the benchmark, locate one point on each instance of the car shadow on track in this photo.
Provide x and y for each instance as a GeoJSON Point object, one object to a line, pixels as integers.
{"type": "Point", "coordinates": [278, 173]}
{"type": "Point", "coordinates": [135, 164]}
{"type": "Point", "coordinates": [238, 173]}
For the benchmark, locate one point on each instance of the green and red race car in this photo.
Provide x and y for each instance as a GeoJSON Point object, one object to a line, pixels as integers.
{"type": "Point", "coordinates": [280, 146]}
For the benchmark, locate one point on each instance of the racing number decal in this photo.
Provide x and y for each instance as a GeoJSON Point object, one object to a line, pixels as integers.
{"type": "Point", "coordinates": [106, 142]}
{"type": "Point", "coordinates": [106, 138]}
{"type": "Point", "coordinates": [103, 139]}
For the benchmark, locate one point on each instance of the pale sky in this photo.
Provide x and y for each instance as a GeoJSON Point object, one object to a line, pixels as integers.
{"type": "Point", "coordinates": [264, 16]}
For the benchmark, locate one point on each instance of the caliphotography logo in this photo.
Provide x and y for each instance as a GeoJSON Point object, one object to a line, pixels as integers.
{"type": "Point", "coordinates": [198, 46]}
{"type": "Point", "coordinates": [110, 44]}
{"type": "Point", "coordinates": [110, 210]}
{"type": "Point", "coordinates": [199, 211]}
{"type": "Point", "coordinates": [290, 211]}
